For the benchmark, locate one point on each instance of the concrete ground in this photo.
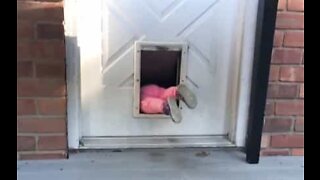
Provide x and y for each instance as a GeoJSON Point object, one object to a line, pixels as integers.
{"type": "Point", "coordinates": [177, 164]}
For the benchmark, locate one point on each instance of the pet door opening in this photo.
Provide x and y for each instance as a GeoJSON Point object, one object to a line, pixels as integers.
{"type": "Point", "coordinates": [160, 68]}
{"type": "Point", "coordinates": [160, 64]}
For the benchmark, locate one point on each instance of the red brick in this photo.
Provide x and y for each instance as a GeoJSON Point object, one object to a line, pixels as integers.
{"type": "Point", "coordinates": [24, 50]}
{"type": "Point", "coordinates": [301, 94]}
{"type": "Point", "coordinates": [265, 141]}
{"type": "Point", "coordinates": [296, 5]}
{"type": "Point", "coordinates": [282, 91]}
{"type": "Point", "coordinates": [26, 143]}
{"type": "Point", "coordinates": [269, 109]}
{"type": "Point", "coordinates": [277, 124]}
{"type": "Point", "coordinates": [287, 141]}
{"type": "Point", "coordinates": [275, 152]}
{"type": "Point", "coordinates": [290, 108]}
{"type": "Point", "coordinates": [52, 106]}
{"type": "Point", "coordinates": [297, 152]}
{"type": "Point", "coordinates": [41, 88]}
{"type": "Point", "coordinates": [287, 56]}
{"type": "Point", "coordinates": [292, 74]}
{"type": "Point", "coordinates": [27, 87]}
{"type": "Point", "coordinates": [49, 0]}
{"type": "Point", "coordinates": [40, 50]}
{"type": "Point", "coordinates": [24, 30]}
{"type": "Point", "coordinates": [50, 31]}
{"type": "Point", "coordinates": [52, 143]}
{"type": "Point", "coordinates": [26, 107]}
{"type": "Point", "coordinates": [299, 124]}
{"type": "Point", "coordinates": [37, 11]}
{"type": "Point", "coordinates": [274, 73]}
{"type": "Point", "coordinates": [286, 20]}
{"type": "Point", "coordinates": [50, 70]}
{"type": "Point", "coordinates": [41, 125]}
{"type": "Point", "coordinates": [282, 4]}
{"type": "Point", "coordinates": [294, 39]}
{"type": "Point", "coordinates": [42, 156]}
{"type": "Point", "coordinates": [278, 38]}
{"type": "Point", "coordinates": [25, 69]}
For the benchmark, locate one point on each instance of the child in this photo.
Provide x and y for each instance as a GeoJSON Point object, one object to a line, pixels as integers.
{"type": "Point", "coordinates": [158, 100]}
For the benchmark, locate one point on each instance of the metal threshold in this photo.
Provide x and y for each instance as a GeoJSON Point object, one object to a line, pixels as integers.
{"type": "Point", "coordinates": [154, 142]}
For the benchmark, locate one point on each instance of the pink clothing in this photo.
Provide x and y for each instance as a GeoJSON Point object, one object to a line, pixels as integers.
{"type": "Point", "coordinates": [153, 98]}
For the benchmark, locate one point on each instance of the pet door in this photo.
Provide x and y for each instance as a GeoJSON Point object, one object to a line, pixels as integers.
{"type": "Point", "coordinates": [163, 64]}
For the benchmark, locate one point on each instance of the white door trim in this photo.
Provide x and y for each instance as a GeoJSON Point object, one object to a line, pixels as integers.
{"type": "Point", "coordinates": [248, 42]}
{"type": "Point", "coordinates": [72, 74]}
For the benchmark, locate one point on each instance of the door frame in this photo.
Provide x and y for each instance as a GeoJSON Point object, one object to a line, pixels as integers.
{"type": "Point", "coordinates": [246, 129]}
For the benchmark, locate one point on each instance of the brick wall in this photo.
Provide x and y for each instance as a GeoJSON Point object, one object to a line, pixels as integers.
{"type": "Point", "coordinates": [41, 98]}
{"type": "Point", "coordinates": [284, 114]}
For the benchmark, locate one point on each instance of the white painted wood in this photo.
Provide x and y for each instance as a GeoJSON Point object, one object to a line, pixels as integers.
{"type": "Point", "coordinates": [242, 73]}
{"type": "Point", "coordinates": [73, 73]}
{"type": "Point", "coordinates": [105, 93]}
{"type": "Point", "coordinates": [106, 106]}
{"type": "Point", "coordinates": [234, 72]}
{"type": "Point", "coordinates": [245, 73]}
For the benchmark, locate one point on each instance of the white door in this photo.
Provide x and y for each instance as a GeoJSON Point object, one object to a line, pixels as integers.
{"type": "Point", "coordinates": [107, 30]}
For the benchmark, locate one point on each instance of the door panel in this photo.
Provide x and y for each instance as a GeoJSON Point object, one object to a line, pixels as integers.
{"type": "Point", "coordinates": [209, 27]}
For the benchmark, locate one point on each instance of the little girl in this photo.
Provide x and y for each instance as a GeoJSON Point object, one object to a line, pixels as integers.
{"type": "Point", "coordinates": [157, 100]}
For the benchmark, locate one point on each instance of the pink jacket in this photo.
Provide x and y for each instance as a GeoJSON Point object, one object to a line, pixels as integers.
{"type": "Point", "coordinates": [153, 98]}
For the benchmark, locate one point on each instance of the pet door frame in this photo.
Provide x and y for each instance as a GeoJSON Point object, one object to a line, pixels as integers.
{"type": "Point", "coordinates": [155, 46]}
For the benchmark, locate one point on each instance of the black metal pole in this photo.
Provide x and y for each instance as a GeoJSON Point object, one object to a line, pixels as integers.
{"type": "Point", "coordinates": [266, 17]}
